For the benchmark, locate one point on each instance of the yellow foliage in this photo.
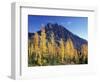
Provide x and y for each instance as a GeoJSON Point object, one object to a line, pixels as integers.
{"type": "Point", "coordinates": [84, 50]}
{"type": "Point", "coordinates": [69, 48]}
{"type": "Point", "coordinates": [43, 46]}
{"type": "Point", "coordinates": [52, 44]}
{"type": "Point", "coordinates": [62, 50]}
{"type": "Point", "coordinates": [30, 48]}
{"type": "Point", "coordinates": [36, 42]}
{"type": "Point", "coordinates": [39, 58]}
{"type": "Point", "coordinates": [50, 48]}
{"type": "Point", "coordinates": [39, 48]}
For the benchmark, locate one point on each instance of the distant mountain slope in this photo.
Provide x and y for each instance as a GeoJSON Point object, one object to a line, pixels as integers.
{"type": "Point", "coordinates": [61, 32]}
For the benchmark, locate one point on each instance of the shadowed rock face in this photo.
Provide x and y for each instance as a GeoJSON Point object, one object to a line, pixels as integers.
{"type": "Point", "coordinates": [59, 32]}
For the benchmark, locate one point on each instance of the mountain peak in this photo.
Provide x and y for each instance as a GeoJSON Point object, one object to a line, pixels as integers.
{"type": "Point", "coordinates": [60, 32]}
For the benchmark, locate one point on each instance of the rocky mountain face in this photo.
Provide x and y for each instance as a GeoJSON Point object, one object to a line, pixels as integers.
{"type": "Point", "coordinates": [60, 32]}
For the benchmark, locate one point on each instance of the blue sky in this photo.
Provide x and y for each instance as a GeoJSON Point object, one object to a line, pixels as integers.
{"type": "Point", "coordinates": [77, 25]}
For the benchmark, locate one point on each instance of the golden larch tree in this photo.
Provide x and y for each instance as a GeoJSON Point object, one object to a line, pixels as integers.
{"type": "Point", "coordinates": [69, 49]}
{"type": "Point", "coordinates": [36, 42]}
{"type": "Point", "coordinates": [62, 50]}
{"type": "Point", "coordinates": [43, 46]}
{"type": "Point", "coordinates": [49, 48]}
{"type": "Point", "coordinates": [76, 56]}
{"type": "Point", "coordinates": [53, 44]}
{"type": "Point", "coordinates": [39, 58]}
{"type": "Point", "coordinates": [30, 48]}
{"type": "Point", "coordinates": [84, 51]}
